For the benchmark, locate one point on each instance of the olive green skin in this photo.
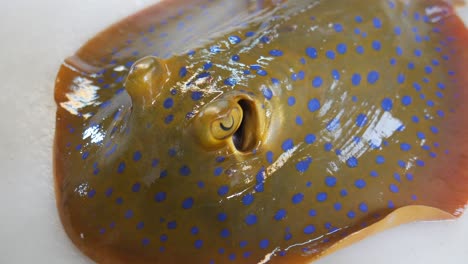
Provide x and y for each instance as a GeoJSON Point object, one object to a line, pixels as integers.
{"type": "Point", "coordinates": [104, 230]}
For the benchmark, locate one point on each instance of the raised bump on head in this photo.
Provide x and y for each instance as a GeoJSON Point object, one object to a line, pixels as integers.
{"type": "Point", "coordinates": [144, 81]}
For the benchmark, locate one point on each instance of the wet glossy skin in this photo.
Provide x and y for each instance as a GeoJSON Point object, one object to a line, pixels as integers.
{"type": "Point", "coordinates": [237, 132]}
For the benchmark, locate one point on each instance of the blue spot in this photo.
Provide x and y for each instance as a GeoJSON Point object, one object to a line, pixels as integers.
{"type": "Point", "coordinates": [337, 206]}
{"type": "Point", "coordinates": [317, 82]}
{"type": "Point", "coordinates": [145, 241]}
{"type": "Point", "coordinates": [262, 72]}
{"type": "Point", "coordinates": [352, 162]}
{"type": "Point", "coordinates": [421, 135]}
{"type": "Point", "coordinates": [299, 121]}
{"type": "Point", "coordinates": [85, 155]}
{"type": "Point", "coordinates": [207, 65]}
{"type": "Point", "coordinates": [335, 74]}
{"type": "Point", "coordinates": [121, 167]}
{"type": "Point", "coordinates": [215, 49]}
{"type": "Point", "coordinates": [344, 193]}
{"type": "Point", "coordinates": [222, 217]}
{"type": "Point", "coordinates": [434, 129]}
{"type": "Point", "coordinates": [333, 125]}
{"type": "Point", "coordinates": [197, 95]}
{"type": "Point", "coordinates": [387, 104]}
{"type": "Point", "coordinates": [405, 146]}
{"type": "Point", "coordinates": [276, 53]}
{"type": "Point", "coordinates": [312, 213]}
{"type": "Point", "coordinates": [380, 159]}
{"type": "Point", "coordinates": [373, 174]}
{"type": "Point", "coordinates": [287, 144]}
{"type": "Point", "coordinates": [200, 184]}
{"type": "Point", "coordinates": [251, 219]}
{"type": "Point", "coordinates": [137, 156]}
{"type": "Point", "coordinates": [428, 69]}
{"type": "Point", "coordinates": [160, 197]}
{"type": "Point", "coordinates": [310, 138]}
{"type": "Point", "coordinates": [410, 66]}
{"type": "Point", "coordinates": [330, 181]}
{"type": "Point", "coordinates": [169, 119]}
{"type": "Point", "coordinates": [372, 77]}
{"type": "Point", "coordinates": [243, 244]}
{"type": "Point", "coordinates": [406, 100]}
{"type": "Point", "coordinates": [360, 183]}
{"type": "Point", "coordinates": [310, 229]}
{"type": "Point", "coordinates": [225, 233]}
{"type": "Point", "coordinates": [376, 45]}
{"type": "Point", "coordinates": [409, 176]}
{"type": "Point", "coordinates": [218, 171]}
{"type": "Point", "coordinates": [330, 54]}
{"type": "Point", "coordinates": [363, 207]}
{"type": "Point", "coordinates": [322, 197]}
{"type": "Point", "coordinates": [250, 34]}
{"type": "Point", "coordinates": [267, 93]}
{"type": "Point", "coordinates": [230, 81]}
{"type": "Point", "coordinates": [397, 31]}
{"type": "Point", "coordinates": [356, 79]}
{"type": "Point", "coordinates": [360, 49]}
{"type": "Point", "coordinates": [358, 19]}
{"type": "Point", "coordinates": [182, 71]}
{"type": "Point", "coordinates": [417, 53]}
{"type": "Point", "coordinates": [232, 257]}
{"type": "Point", "coordinates": [311, 52]}
{"type": "Point", "coordinates": [128, 214]}
{"type": "Point", "coordinates": [248, 199]}
{"type": "Point", "coordinates": [394, 188]}
{"type": "Point", "coordinates": [223, 190]}
{"type": "Point", "coordinates": [269, 157]}
{"type": "Point", "coordinates": [234, 39]}
{"type": "Point", "coordinates": [259, 187]}
{"type": "Point", "coordinates": [401, 78]}
{"type": "Point", "coordinates": [303, 166]}
{"type": "Point", "coordinates": [313, 105]}
{"type": "Point", "coordinates": [280, 214]}
{"type": "Point", "coordinates": [187, 203]}
{"type": "Point", "coordinates": [136, 187]}
{"type": "Point", "coordinates": [119, 200]}
{"type": "Point", "coordinates": [163, 238]}
{"type": "Point", "coordinates": [291, 101]}
{"type": "Point", "coordinates": [338, 27]}
{"type": "Point", "coordinates": [328, 146]}
{"type": "Point", "coordinates": [341, 48]}
{"type": "Point", "coordinates": [377, 23]}
{"type": "Point", "coordinates": [184, 171]}
{"type": "Point", "coordinates": [297, 198]}
{"type": "Point", "coordinates": [264, 243]}
{"type": "Point", "coordinates": [361, 120]}
{"type": "Point", "coordinates": [109, 192]}
{"type": "Point", "coordinates": [399, 51]}
{"type": "Point", "coordinates": [91, 193]}
{"type": "Point", "coordinates": [351, 214]}
{"type": "Point", "coordinates": [265, 39]}
{"type": "Point", "coordinates": [198, 243]}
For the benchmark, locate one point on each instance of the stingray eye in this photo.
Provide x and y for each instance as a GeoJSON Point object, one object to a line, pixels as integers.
{"type": "Point", "coordinates": [233, 122]}
{"type": "Point", "coordinates": [217, 122]}
{"type": "Point", "coordinates": [227, 125]}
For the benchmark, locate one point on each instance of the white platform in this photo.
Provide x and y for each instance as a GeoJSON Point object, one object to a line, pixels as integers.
{"type": "Point", "coordinates": [36, 35]}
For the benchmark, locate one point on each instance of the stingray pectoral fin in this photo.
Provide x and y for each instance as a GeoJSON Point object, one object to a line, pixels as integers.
{"type": "Point", "coordinates": [404, 215]}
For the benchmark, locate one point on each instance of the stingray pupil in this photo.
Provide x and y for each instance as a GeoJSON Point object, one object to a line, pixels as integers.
{"type": "Point", "coordinates": [223, 127]}
{"type": "Point", "coordinates": [240, 137]}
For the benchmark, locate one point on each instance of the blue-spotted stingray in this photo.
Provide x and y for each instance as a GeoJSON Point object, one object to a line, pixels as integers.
{"type": "Point", "coordinates": [215, 131]}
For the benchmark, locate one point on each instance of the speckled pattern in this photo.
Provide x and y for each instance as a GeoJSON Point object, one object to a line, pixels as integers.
{"type": "Point", "coordinates": [356, 112]}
